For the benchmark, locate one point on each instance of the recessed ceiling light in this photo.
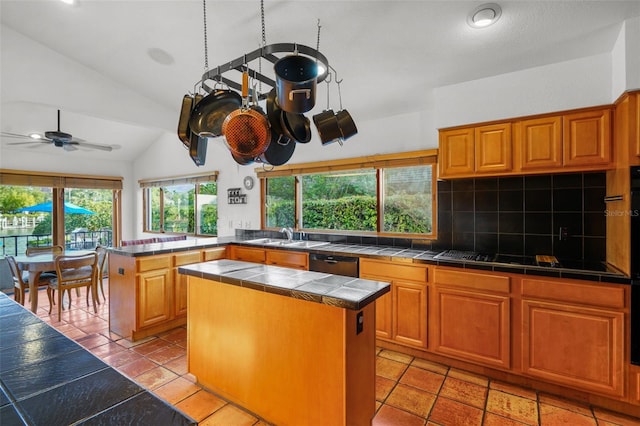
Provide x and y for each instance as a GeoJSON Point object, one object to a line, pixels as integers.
{"type": "Point", "coordinates": [71, 2]}
{"type": "Point", "coordinates": [484, 15]}
{"type": "Point", "coordinates": [160, 56]}
{"type": "Point", "coordinates": [35, 136]}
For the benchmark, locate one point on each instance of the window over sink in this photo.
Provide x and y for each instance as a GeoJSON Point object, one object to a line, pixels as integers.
{"type": "Point", "coordinates": [382, 195]}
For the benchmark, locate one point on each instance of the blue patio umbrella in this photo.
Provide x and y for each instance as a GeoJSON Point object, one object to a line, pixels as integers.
{"type": "Point", "coordinates": [47, 207]}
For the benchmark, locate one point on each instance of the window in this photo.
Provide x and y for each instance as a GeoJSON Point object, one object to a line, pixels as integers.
{"type": "Point", "coordinates": [74, 211]}
{"type": "Point", "coordinates": [185, 205]}
{"type": "Point", "coordinates": [385, 194]}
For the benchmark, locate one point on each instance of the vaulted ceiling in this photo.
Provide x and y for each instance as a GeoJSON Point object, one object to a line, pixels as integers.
{"type": "Point", "coordinates": [95, 60]}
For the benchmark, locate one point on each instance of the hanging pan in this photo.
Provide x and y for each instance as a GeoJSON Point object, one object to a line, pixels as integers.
{"type": "Point", "coordinates": [209, 114]}
{"type": "Point", "coordinates": [183, 121]}
{"type": "Point", "coordinates": [296, 80]}
{"type": "Point", "coordinates": [246, 130]}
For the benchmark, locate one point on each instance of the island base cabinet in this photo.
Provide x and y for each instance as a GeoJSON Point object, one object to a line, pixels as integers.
{"type": "Point", "coordinates": [575, 346]}
{"type": "Point", "coordinates": [290, 361]}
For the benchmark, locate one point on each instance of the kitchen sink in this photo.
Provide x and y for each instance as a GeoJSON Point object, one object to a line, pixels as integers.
{"type": "Point", "coordinates": [286, 243]}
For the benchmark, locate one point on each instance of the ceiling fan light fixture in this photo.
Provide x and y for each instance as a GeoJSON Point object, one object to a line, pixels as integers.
{"type": "Point", "coordinates": [484, 15]}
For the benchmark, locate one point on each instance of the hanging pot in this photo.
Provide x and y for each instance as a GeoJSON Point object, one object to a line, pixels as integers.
{"type": "Point", "coordinates": [327, 125]}
{"type": "Point", "coordinates": [246, 130]}
{"type": "Point", "coordinates": [183, 120]}
{"type": "Point", "coordinates": [345, 122]}
{"type": "Point", "coordinates": [296, 126]}
{"type": "Point", "coordinates": [243, 161]}
{"type": "Point", "coordinates": [296, 79]}
{"type": "Point", "coordinates": [279, 152]}
{"type": "Point", "coordinates": [208, 115]}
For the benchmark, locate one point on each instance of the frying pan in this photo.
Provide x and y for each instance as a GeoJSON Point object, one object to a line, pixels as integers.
{"type": "Point", "coordinates": [295, 126]}
{"type": "Point", "coordinates": [208, 115]}
{"type": "Point", "coordinates": [279, 152]}
{"type": "Point", "coordinates": [246, 130]}
{"type": "Point", "coordinates": [183, 121]}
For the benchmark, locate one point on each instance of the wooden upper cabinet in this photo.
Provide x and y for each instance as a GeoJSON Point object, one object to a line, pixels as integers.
{"type": "Point", "coordinates": [587, 138]}
{"type": "Point", "coordinates": [456, 154]}
{"type": "Point", "coordinates": [539, 143]}
{"type": "Point", "coordinates": [493, 148]}
{"type": "Point", "coordinates": [636, 127]}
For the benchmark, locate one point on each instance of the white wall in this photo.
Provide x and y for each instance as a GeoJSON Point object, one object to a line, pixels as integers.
{"type": "Point", "coordinates": [572, 84]}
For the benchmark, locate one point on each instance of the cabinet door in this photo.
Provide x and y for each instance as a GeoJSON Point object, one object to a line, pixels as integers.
{"type": "Point", "coordinates": [456, 152]}
{"type": "Point", "coordinates": [635, 108]}
{"type": "Point", "coordinates": [634, 384]}
{"type": "Point", "coordinates": [155, 297]}
{"type": "Point", "coordinates": [410, 313]}
{"type": "Point", "coordinates": [493, 148]}
{"type": "Point", "coordinates": [574, 346]}
{"type": "Point", "coordinates": [180, 281]}
{"type": "Point", "coordinates": [384, 309]}
{"type": "Point", "coordinates": [587, 138]}
{"type": "Point", "coordinates": [540, 143]}
{"type": "Point", "coordinates": [474, 326]}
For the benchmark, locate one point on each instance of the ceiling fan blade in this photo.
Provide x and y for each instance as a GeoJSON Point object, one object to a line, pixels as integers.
{"type": "Point", "coordinates": [39, 142]}
{"type": "Point", "coordinates": [14, 135]}
{"type": "Point", "coordinates": [69, 147]}
{"type": "Point", "coordinates": [91, 145]}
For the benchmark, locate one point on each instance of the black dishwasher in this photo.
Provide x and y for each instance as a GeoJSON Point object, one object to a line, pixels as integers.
{"type": "Point", "coordinates": [336, 265]}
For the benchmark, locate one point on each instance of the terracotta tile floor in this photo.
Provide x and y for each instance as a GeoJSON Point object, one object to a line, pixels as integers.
{"type": "Point", "coordinates": [409, 391]}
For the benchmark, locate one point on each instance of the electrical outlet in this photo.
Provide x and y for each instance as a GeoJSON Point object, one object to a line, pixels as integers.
{"type": "Point", "coordinates": [563, 233]}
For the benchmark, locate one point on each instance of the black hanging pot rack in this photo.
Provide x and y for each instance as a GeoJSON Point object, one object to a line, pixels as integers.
{"type": "Point", "coordinates": [269, 52]}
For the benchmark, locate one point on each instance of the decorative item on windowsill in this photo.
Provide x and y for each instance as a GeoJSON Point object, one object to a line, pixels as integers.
{"type": "Point", "coordinates": [291, 92]}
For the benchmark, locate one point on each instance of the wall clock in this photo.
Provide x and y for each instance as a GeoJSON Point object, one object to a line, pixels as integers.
{"type": "Point", "coordinates": [248, 182]}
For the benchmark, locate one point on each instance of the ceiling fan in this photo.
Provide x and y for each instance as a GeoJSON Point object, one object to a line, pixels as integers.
{"type": "Point", "coordinates": [56, 137]}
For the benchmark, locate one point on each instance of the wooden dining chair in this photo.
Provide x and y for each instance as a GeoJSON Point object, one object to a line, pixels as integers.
{"type": "Point", "coordinates": [102, 257]}
{"type": "Point", "coordinates": [33, 251]}
{"type": "Point", "coordinates": [74, 271]}
{"type": "Point", "coordinates": [21, 280]}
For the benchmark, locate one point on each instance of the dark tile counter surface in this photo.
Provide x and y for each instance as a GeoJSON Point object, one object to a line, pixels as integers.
{"type": "Point", "coordinates": [171, 246]}
{"type": "Point", "coordinates": [589, 271]}
{"type": "Point", "coordinates": [328, 289]}
{"type": "Point", "coordinates": [48, 379]}
{"type": "Point", "coordinates": [598, 272]}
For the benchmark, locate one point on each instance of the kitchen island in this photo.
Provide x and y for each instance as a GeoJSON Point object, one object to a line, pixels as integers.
{"type": "Point", "coordinates": [294, 347]}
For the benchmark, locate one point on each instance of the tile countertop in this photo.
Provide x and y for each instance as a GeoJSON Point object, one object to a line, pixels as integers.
{"type": "Point", "coordinates": [598, 272]}
{"type": "Point", "coordinates": [48, 379]}
{"type": "Point", "coordinates": [328, 289]}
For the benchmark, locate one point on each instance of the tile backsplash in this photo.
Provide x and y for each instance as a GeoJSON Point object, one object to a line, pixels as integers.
{"type": "Point", "coordinates": [524, 215]}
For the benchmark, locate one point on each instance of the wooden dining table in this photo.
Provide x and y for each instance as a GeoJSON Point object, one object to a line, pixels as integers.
{"type": "Point", "coordinates": [36, 265]}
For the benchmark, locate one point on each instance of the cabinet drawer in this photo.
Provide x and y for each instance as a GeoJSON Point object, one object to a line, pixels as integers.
{"type": "Point", "coordinates": [153, 262]}
{"type": "Point", "coordinates": [472, 280]}
{"type": "Point", "coordinates": [291, 259]}
{"type": "Point", "coordinates": [186, 258]}
{"type": "Point", "coordinates": [576, 293]}
{"type": "Point", "coordinates": [394, 271]}
{"type": "Point", "coordinates": [214, 254]}
{"type": "Point", "coordinates": [248, 254]}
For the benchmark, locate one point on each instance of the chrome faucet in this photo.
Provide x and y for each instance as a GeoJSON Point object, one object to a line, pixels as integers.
{"type": "Point", "coordinates": [288, 232]}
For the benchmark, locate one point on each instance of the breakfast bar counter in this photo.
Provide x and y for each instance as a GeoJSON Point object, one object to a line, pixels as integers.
{"type": "Point", "coordinates": [294, 347]}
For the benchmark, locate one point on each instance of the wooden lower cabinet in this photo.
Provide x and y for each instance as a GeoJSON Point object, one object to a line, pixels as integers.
{"type": "Point", "coordinates": [472, 316]}
{"type": "Point", "coordinates": [573, 335]}
{"type": "Point", "coordinates": [634, 384]}
{"type": "Point", "coordinates": [155, 297]}
{"type": "Point", "coordinates": [401, 315]}
{"type": "Point", "coordinates": [147, 295]}
{"type": "Point", "coordinates": [286, 258]}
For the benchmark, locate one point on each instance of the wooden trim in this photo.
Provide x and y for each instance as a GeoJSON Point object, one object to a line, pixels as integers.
{"type": "Point", "coordinates": [181, 179]}
{"type": "Point", "coordinates": [403, 159]}
{"type": "Point", "coordinates": [58, 180]}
